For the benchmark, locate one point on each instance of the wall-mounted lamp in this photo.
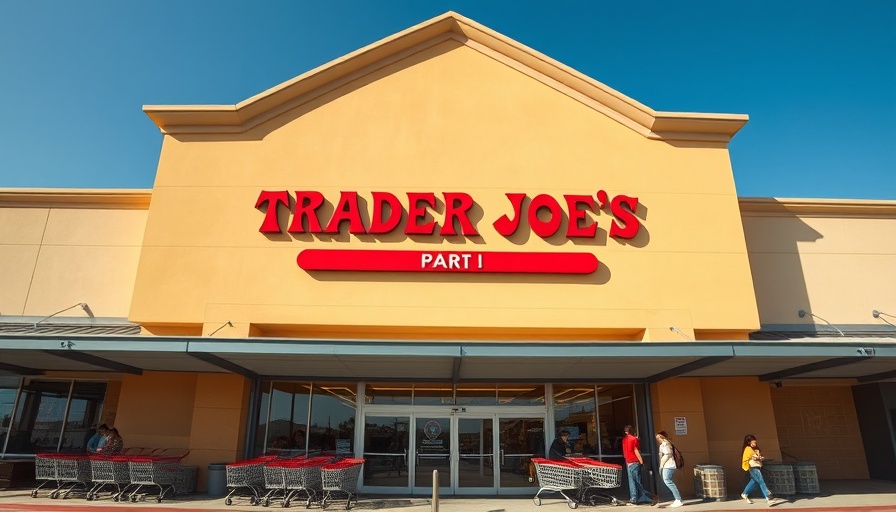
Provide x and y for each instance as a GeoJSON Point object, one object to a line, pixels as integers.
{"type": "Point", "coordinates": [880, 314]}
{"type": "Point", "coordinates": [803, 313]}
{"type": "Point", "coordinates": [83, 306]}
{"type": "Point", "coordinates": [225, 324]}
{"type": "Point", "coordinates": [677, 330]}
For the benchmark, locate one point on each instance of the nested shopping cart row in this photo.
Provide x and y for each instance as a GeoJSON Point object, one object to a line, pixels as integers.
{"type": "Point", "coordinates": [577, 476]}
{"type": "Point", "coordinates": [127, 477]}
{"type": "Point", "coordinates": [310, 479]}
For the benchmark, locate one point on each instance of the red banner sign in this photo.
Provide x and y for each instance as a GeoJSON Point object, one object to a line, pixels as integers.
{"type": "Point", "coordinates": [447, 261]}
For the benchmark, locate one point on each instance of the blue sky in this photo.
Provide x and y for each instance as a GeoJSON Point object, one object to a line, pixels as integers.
{"type": "Point", "coordinates": [818, 79]}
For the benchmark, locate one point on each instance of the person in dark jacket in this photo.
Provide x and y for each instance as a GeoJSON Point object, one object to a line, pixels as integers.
{"type": "Point", "coordinates": [560, 447]}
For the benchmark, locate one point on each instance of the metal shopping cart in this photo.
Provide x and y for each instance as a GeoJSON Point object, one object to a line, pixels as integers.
{"type": "Point", "coordinates": [598, 475]}
{"type": "Point", "coordinates": [558, 476]}
{"type": "Point", "coordinates": [72, 472]}
{"type": "Point", "coordinates": [275, 477]}
{"type": "Point", "coordinates": [247, 476]}
{"type": "Point", "coordinates": [304, 477]}
{"type": "Point", "coordinates": [341, 477]}
{"type": "Point", "coordinates": [108, 471]}
{"type": "Point", "coordinates": [161, 472]}
{"type": "Point", "coordinates": [45, 472]}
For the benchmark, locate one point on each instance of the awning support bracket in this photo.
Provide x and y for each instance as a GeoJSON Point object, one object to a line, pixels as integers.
{"type": "Point", "coordinates": [688, 367]}
{"type": "Point", "coordinates": [812, 367]}
{"type": "Point", "coordinates": [224, 364]}
{"type": "Point", "coordinates": [83, 357]}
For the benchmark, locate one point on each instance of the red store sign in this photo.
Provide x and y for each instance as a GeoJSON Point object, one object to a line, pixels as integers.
{"type": "Point", "coordinates": [388, 213]}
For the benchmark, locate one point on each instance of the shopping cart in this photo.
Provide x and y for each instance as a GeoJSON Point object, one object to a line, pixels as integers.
{"type": "Point", "coordinates": [341, 477]}
{"type": "Point", "coordinates": [558, 476]}
{"type": "Point", "coordinates": [598, 475]}
{"type": "Point", "coordinates": [161, 472]}
{"type": "Point", "coordinates": [72, 472]}
{"type": "Point", "coordinates": [280, 485]}
{"type": "Point", "coordinates": [108, 471]}
{"type": "Point", "coordinates": [247, 476]}
{"type": "Point", "coordinates": [45, 472]}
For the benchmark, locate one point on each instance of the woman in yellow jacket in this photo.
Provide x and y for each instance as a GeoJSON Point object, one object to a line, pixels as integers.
{"type": "Point", "coordinates": [751, 461]}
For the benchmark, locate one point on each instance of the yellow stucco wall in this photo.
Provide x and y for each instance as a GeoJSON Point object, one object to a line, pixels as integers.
{"type": "Point", "coordinates": [834, 259]}
{"type": "Point", "coordinates": [58, 252]}
{"type": "Point", "coordinates": [448, 118]}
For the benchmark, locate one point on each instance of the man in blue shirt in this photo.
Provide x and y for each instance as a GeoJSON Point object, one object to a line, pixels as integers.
{"type": "Point", "coordinates": [99, 439]}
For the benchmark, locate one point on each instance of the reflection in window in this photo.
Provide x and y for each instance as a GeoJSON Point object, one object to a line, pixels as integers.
{"type": "Point", "coordinates": [616, 410]}
{"type": "Point", "coordinates": [300, 417]}
{"type": "Point", "coordinates": [54, 415]}
{"type": "Point", "coordinates": [433, 393]}
{"type": "Point", "coordinates": [520, 394]}
{"type": "Point", "coordinates": [388, 393]}
{"type": "Point", "coordinates": [477, 394]}
{"type": "Point", "coordinates": [9, 388]}
{"type": "Point", "coordinates": [574, 408]}
{"type": "Point", "coordinates": [332, 425]}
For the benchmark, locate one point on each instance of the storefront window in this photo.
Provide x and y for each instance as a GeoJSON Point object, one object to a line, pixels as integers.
{"type": "Point", "coordinates": [616, 410]}
{"type": "Point", "coordinates": [435, 393]}
{"type": "Point", "coordinates": [53, 415]}
{"type": "Point", "coordinates": [574, 408]}
{"type": "Point", "coordinates": [332, 425]}
{"type": "Point", "coordinates": [520, 394]}
{"type": "Point", "coordinates": [9, 388]}
{"type": "Point", "coordinates": [287, 426]}
{"type": "Point", "coordinates": [477, 394]}
{"type": "Point", "coordinates": [388, 393]}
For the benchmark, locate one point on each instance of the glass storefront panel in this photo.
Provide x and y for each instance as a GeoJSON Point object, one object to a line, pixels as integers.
{"type": "Point", "coordinates": [433, 393]}
{"type": "Point", "coordinates": [477, 394]}
{"type": "Point", "coordinates": [287, 427]}
{"type": "Point", "coordinates": [617, 408]}
{"type": "Point", "coordinates": [332, 425]}
{"type": "Point", "coordinates": [83, 415]}
{"type": "Point", "coordinates": [386, 443]}
{"type": "Point", "coordinates": [262, 421]}
{"type": "Point", "coordinates": [9, 388]}
{"type": "Point", "coordinates": [521, 394]}
{"type": "Point", "coordinates": [37, 424]}
{"type": "Point", "coordinates": [388, 393]}
{"type": "Point", "coordinates": [574, 411]}
{"type": "Point", "coordinates": [521, 439]}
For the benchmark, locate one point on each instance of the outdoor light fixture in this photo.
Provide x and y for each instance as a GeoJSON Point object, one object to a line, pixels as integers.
{"type": "Point", "coordinates": [225, 324]}
{"type": "Point", "coordinates": [677, 330]}
{"type": "Point", "coordinates": [83, 305]}
{"type": "Point", "coordinates": [803, 313]}
{"type": "Point", "coordinates": [880, 314]}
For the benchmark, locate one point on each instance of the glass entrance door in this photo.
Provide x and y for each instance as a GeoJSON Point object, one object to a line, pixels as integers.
{"type": "Point", "coordinates": [432, 451]}
{"type": "Point", "coordinates": [386, 443]}
{"type": "Point", "coordinates": [476, 455]}
{"type": "Point", "coordinates": [520, 440]}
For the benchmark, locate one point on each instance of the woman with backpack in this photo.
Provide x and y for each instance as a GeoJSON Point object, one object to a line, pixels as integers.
{"type": "Point", "coordinates": [668, 466]}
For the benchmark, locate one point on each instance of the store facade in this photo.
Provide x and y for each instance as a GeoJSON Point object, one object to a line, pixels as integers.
{"type": "Point", "coordinates": [435, 253]}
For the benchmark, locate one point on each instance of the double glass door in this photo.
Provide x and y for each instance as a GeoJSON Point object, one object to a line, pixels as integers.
{"type": "Point", "coordinates": [474, 452]}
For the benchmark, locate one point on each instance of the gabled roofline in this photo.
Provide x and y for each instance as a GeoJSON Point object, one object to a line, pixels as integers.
{"type": "Point", "coordinates": [193, 119]}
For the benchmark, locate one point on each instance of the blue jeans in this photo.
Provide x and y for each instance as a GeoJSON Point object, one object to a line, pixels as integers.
{"type": "Point", "coordinates": [635, 488]}
{"type": "Point", "coordinates": [667, 479]}
{"type": "Point", "coordinates": [756, 480]}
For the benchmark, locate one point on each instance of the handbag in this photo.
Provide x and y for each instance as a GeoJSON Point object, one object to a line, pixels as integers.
{"type": "Point", "coordinates": [755, 463]}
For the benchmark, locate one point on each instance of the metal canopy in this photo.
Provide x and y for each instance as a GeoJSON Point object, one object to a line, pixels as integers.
{"type": "Point", "coordinates": [863, 359]}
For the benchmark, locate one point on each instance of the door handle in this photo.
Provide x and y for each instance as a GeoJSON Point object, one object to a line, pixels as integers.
{"type": "Point", "coordinates": [502, 456]}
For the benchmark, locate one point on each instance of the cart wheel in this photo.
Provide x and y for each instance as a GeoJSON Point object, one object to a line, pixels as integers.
{"type": "Point", "coordinates": [89, 497]}
{"type": "Point", "coordinates": [537, 501]}
{"type": "Point", "coordinates": [54, 495]}
{"type": "Point", "coordinates": [159, 499]}
{"type": "Point", "coordinates": [285, 503]}
{"type": "Point", "coordinates": [572, 504]}
{"type": "Point", "coordinates": [265, 502]}
{"type": "Point", "coordinates": [252, 501]}
{"type": "Point", "coordinates": [34, 493]}
{"type": "Point", "coordinates": [133, 499]}
{"type": "Point", "coordinates": [615, 502]}
{"type": "Point", "coordinates": [116, 498]}
{"type": "Point", "coordinates": [308, 503]}
{"type": "Point", "coordinates": [323, 504]}
{"type": "Point", "coordinates": [228, 501]}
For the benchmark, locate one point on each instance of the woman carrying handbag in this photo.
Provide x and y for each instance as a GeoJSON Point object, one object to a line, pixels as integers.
{"type": "Point", "coordinates": [751, 461]}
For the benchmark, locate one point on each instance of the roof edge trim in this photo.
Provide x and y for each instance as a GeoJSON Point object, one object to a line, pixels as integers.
{"type": "Point", "coordinates": [136, 199]}
{"type": "Point", "coordinates": [833, 207]}
{"type": "Point", "coordinates": [221, 119]}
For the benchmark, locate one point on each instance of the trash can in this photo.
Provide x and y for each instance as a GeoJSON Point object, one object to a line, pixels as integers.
{"type": "Point", "coordinates": [779, 478]}
{"type": "Point", "coordinates": [805, 476]}
{"type": "Point", "coordinates": [709, 482]}
{"type": "Point", "coordinates": [217, 480]}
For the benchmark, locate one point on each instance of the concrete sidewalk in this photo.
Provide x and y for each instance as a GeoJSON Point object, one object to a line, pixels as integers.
{"type": "Point", "coordinates": [852, 495]}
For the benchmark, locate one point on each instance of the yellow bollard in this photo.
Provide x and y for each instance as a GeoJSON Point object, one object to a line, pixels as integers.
{"type": "Point", "coordinates": [435, 490]}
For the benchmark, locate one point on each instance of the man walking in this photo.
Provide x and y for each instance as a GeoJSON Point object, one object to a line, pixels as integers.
{"type": "Point", "coordinates": [631, 449]}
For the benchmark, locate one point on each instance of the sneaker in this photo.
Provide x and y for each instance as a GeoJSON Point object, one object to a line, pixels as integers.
{"type": "Point", "coordinates": [676, 504]}
{"type": "Point", "coordinates": [630, 503]}
{"type": "Point", "coordinates": [772, 501]}
{"type": "Point", "coordinates": [746, 498]}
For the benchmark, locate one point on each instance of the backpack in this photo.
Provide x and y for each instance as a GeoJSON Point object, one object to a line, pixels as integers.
{"type": "Point", "coordinates": [679, 458]}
